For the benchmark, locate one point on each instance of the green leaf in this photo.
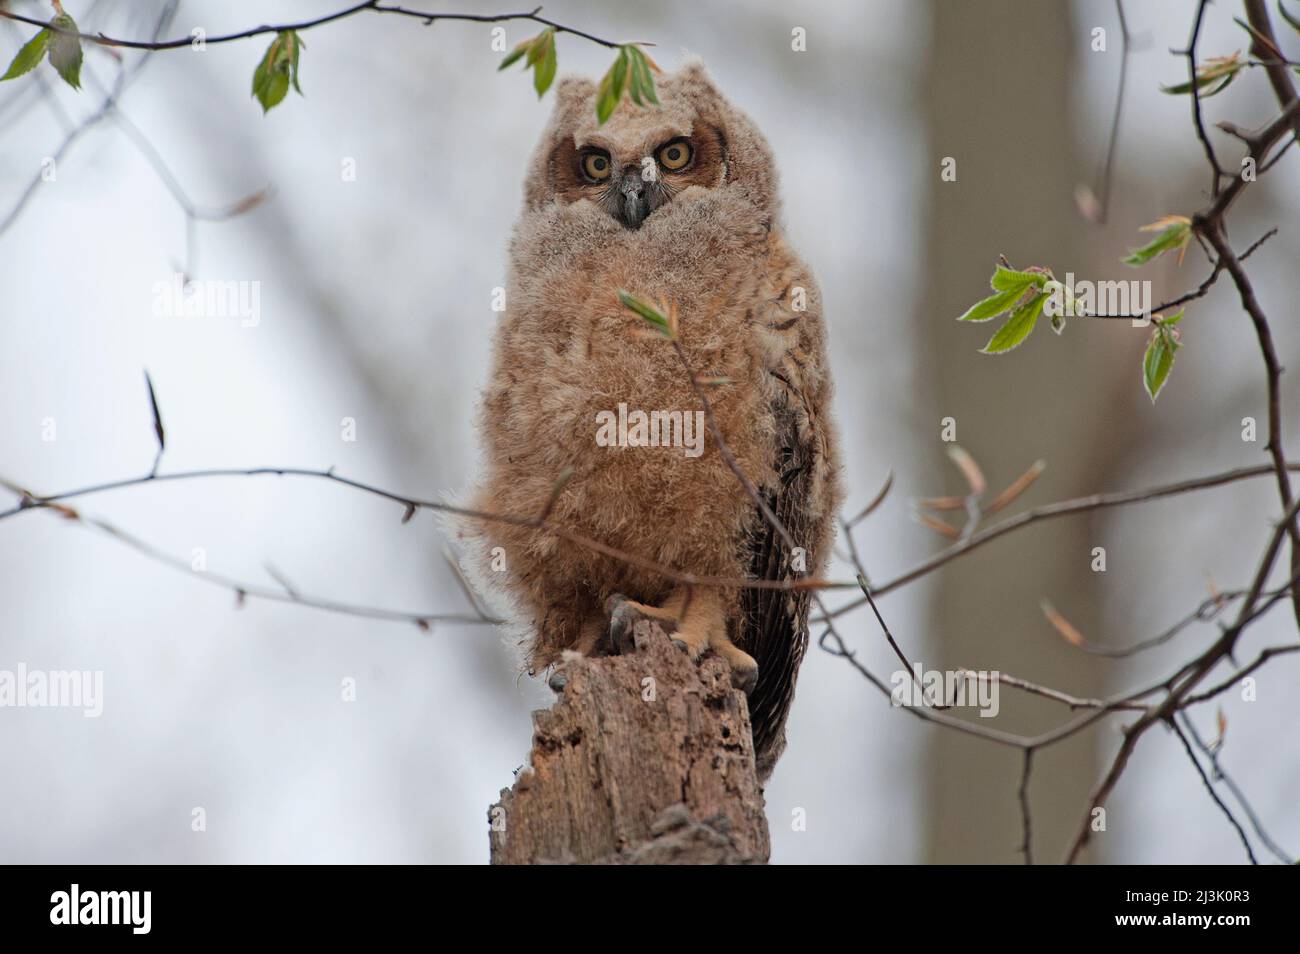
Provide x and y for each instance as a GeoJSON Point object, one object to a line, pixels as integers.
{"type": "Point", "coordinates": [1201, 83]}
{"type": "Point", "coordinates": [648, 312]}
{"type": "Point", "coordinates": [611, 87]}
{"type": "Point", "coordinates": [273, 91]}
{"type": "Point", "coordinates": [633, 77]}
{"type": "Point", "coordinates": [648, 80]}
{"type": "Point", "coordinates": [1176, 236]}
{"type": "Point", "coordinates": [28, 57]}
{"type": "Point", "coordinates": [1172, 319]}
{"type": "Point", "coordinates": [642, 79]}
{"type": "Point", "coordinates": [277, 70]}
{"type": "Point", "coordinates": [1158, 362]}
{"type": "Point", "coordinates": [540, 53]}
{"type": "Point", "coordinates": [1217, 69]}
{"type": "Point", "coordinates": [513, 56]}
{"type": "Point", "coordinates": [1006, 279]}
{"type": "Point", "coordinates": [1017, 327]}
{"type": "Point", "coordinates": [65, 50]}
{"type": "Point", "coordinates": [535, 50]}
{"type": "Point", "coordinates": [544, 71]}
{"type": "Point", "coordinates": [297, 46]}
{"type": "Point", "coordinates": [1227, 81]}
{"type": "Point", "coordinates": [992, 306]}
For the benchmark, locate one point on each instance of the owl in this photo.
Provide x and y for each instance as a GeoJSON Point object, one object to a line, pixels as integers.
{"type": "Point", "coordinates": [677, 204]}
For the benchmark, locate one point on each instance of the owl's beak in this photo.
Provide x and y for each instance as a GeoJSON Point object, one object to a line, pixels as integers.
{"type": "Point", "coordinates": [634, 203]}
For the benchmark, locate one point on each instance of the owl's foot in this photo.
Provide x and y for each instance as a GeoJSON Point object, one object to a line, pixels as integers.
{"type": "Point", "coordinates": [625, 613]}
{"type": "Point", "coordinates": [695, 624]}
{"type": "Point", "coordinates": [694, 638]}
{"type": "Point", "coordinates": [744, 668]}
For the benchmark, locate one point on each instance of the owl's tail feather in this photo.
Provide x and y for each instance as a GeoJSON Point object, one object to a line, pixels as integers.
{"type": "Point", "coordinates": [775, 622]}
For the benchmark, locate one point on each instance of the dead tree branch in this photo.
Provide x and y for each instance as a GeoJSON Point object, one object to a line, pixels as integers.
{"type": "Point", "coordinates": [646, 758]}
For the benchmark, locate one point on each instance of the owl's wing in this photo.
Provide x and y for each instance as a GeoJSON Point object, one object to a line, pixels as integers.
{"type": "Point", "coordinates": [804, 495]}
{"type": "Point", "coordinates": [776, 621]}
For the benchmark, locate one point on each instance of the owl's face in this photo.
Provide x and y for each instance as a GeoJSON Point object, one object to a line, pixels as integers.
{"type": "Point", "coordinates": [642, 157]}
{"type": "Point", "coordinates": [630, 173]}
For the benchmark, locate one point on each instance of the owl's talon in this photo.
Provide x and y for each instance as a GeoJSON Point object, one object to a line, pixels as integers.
{"type": "Point", "coordinates": [744, 668]}
{"type": "Point", "coordinates": [620, 630]}
{"type": "Point", "coordinates": [615, 601]}
{"type": "Point", "coordinates": [690, 643]}
{"type": "Point", "coordinates": [624, 614]}
{"type": "Point", "coordinates": [744, 679]}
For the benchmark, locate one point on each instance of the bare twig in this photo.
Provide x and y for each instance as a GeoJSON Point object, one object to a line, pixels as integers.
{"type": "Point", "coordinates": [1236, 678]}
{"type": "Point", "coordinates": [288, 594]}
{"type": "Point", "coordinates": [1182, 682]}
{"type": "Point", "coordinates": [105, 108]}
{"type": "Point", "coordinates": [1104, 187]}
{"type": "Point", "coordinates": [1209, 787]}
{"type": "Point", "coordinates": [1051, 512]}
{"type": "Point", "coordinates": [1197, 121]}
{"type": "Point", "coordinates": [1273, 368]}
{"type": "Point", "coordinates": [1220, 774]}
{"type": "Point", "coordinates": [32, 501]}
{"type": "Point", "coordinates": [876, 501]}
{"type": "Point", "coordinates": [1026, 820]}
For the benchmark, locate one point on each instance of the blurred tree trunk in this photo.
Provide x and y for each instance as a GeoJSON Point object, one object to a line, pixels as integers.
{"type": "Point", "coordinates": [997, 99]}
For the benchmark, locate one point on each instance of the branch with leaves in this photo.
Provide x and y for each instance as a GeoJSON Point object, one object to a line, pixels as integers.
{"type": "Point", "coordinates": [61, 41]}
{"type": "Point", "coordinates": [1024, 295]}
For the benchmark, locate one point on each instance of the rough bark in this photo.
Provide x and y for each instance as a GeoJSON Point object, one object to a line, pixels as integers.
{"type": "Point", "coordinates": [645, 758]}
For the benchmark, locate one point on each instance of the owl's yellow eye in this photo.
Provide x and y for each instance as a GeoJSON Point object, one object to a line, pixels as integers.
{"type": "Point", "coordinates": [675, 156]}
{"type": "Point", "coordinates": [596, 166]}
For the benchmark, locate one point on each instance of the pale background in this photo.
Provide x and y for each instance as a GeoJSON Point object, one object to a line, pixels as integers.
{"type": "Point", "coordinates": [375, 302]}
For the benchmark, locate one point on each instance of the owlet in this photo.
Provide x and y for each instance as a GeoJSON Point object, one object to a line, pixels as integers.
{"type": "Point", "coordinates": [677, 205]}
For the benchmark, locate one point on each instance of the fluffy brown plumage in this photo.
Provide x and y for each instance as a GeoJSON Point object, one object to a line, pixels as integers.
{"type": "Point", "coordinates": [705, 239]}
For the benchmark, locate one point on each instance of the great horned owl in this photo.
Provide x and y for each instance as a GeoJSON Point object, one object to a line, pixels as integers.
{"type": "Point", "coordinates": [674, 203]}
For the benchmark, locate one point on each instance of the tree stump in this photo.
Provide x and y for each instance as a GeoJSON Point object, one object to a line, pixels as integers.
{"type": "Point", "coordinates": [645, 758]}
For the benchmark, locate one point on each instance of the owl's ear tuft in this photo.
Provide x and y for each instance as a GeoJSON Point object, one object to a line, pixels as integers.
{"type": "Point", "coordinates": [694, 80]}
{"type": "Point", "coordinates": [573, 90]}
{"type": "Point", "coordinates": [748, 159]}
{"type": "Point", "coordinates": [575, 97]}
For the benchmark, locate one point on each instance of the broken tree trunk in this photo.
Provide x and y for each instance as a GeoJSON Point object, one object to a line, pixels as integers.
{"type": "Point", "coordinates": [645, 758]}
